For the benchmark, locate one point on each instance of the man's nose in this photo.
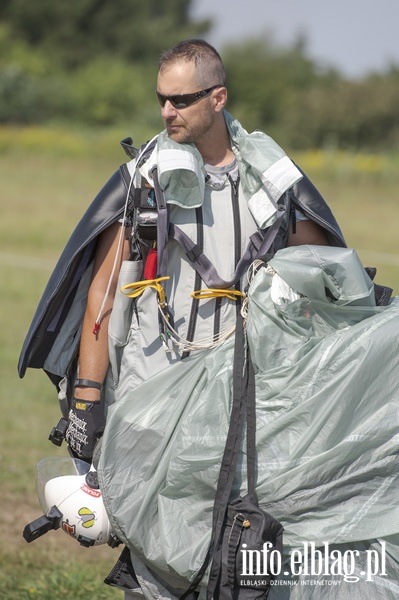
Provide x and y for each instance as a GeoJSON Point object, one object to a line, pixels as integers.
{"type": "Point", "coordinates": [168, 110]}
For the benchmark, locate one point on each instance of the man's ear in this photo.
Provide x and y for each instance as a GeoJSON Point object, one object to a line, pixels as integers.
{"type": "Point", "coordinates": [219, 97]}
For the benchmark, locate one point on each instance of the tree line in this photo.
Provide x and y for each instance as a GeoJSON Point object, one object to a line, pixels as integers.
{"type": "Point", "coordinates": [95, 62]}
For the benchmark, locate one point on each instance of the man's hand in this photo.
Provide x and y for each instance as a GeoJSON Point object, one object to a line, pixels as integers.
{"type": "Point", "coordinates": [86, 423]}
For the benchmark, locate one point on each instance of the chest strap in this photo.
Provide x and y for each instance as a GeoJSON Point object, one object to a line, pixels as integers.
{"type": "Point", "coordinates": [257, 247]}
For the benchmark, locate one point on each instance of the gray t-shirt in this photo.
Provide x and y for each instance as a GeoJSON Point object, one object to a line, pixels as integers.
{"type": "Point", "coordinates": [217, 177]}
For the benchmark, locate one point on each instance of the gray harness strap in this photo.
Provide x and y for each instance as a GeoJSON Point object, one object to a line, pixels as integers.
{"type": "Point", "coordinates": [162, 227]}
{"type": "Point", "coordinates": [204, 267]}
{"type": "Point", "coordinates": [258, 246]}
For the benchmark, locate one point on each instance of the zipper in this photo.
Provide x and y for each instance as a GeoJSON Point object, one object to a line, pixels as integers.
{"type": "Point", "coordinates": [237, 250]}
{"type": "Point", "coordinates": [237, 234]}
{"type": "Point", "coordinates": [236, 222]}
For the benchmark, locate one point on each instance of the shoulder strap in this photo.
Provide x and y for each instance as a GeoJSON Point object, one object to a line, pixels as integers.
{"type": "Point", "coordinates": [162, 226]}
{"type": "Point", "coordinates": [243, 405]}
{"type": "Point", "coordinates": [251, 431]}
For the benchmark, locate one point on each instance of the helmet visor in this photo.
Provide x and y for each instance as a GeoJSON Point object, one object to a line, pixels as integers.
{"type": "Point", "coordinates": [56, 466]}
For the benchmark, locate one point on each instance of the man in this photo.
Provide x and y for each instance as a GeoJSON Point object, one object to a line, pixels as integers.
{"type": "Point", "coordinates": [221, 187]}
{"type": "Point", "coordinates": [191, 68]}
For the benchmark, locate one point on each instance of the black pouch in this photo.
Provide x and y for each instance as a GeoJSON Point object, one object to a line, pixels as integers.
{"type": "Point", "coordinates": [146, 212]}
{"type": "Point", "coordinates": [248, 556]}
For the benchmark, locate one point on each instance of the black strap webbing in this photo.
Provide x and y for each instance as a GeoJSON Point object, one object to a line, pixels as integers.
{"type": "Point", "coordinates": [243, 405]}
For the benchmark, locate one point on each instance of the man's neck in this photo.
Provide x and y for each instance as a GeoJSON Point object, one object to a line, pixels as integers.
{"type": "Point", "coordinates": [218, 159]}
{"type": "Point", "coordinates": [216, 149]}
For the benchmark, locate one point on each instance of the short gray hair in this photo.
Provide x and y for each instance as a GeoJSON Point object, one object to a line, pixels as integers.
{"type": "Point", "coordinates": [208, 63]}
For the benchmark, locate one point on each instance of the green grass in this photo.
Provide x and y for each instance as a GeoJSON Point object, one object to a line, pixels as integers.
{"type": "Point", "coordinates": [45, 189]}
{"type": "Point", "coordinates": [43, 195]}
{"type": "Point", "coordinates": [34, 577]}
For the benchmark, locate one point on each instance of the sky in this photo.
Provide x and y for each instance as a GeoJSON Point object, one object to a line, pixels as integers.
{"type": "Point", "coordinates": [354, 36]}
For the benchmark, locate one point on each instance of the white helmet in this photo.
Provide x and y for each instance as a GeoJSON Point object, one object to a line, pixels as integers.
{"type": "Point", "coordinates": [71, 499]}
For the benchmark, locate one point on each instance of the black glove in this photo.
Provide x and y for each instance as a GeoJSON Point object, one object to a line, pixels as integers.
{"type": "Point", "coordinates": [86, 423]}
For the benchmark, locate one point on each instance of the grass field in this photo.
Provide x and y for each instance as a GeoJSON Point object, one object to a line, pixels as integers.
{"type": "Point", "coordinates": [47, 180]}
{"type": "Point", "coordinates": [43, 195]}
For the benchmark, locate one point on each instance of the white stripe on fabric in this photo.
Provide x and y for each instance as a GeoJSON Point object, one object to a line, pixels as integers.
{"type": "Point", "coordinates": [173, 160]}
{"type": "Point", "coordinates": [282, 175]}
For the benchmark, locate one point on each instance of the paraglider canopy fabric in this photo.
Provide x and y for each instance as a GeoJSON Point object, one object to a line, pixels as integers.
{"type": "Point", "coordinates": [327, 382]}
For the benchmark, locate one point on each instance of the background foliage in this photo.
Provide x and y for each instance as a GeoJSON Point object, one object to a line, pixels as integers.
{"type": "Point", "coordinates": [95, 61]}
{"type": "Point", "coordinates": [78, 31]}
{"type": "Point", "coordinates": [76, 77]}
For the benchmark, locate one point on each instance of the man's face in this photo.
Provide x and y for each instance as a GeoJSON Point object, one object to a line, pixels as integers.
{"type": "Point", "coordinates": [190, 124]}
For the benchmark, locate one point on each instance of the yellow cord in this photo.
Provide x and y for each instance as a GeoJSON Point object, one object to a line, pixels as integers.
{"type": "Point", "coordinates": [138, 288]}
{"type": "Point", "coordinates": [216, 293]}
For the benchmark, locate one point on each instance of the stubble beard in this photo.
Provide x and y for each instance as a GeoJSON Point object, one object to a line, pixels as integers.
{"type": "Point", "coordinates": [179, 135]}
{"type": "Point", "coordinates": [189, 135]}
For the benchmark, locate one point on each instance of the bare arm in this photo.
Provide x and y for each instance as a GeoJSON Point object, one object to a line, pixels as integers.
{"type": "Point", "coordinates": [93, 351]}
{"type": "Point", "coordinates": [307, 232]}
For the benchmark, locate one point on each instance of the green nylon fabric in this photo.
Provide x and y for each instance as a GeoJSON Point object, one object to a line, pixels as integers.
{"type": "Point", "coordinates": [327, 383]}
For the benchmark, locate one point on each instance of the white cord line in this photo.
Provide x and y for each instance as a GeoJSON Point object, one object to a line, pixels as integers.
{"type": "Point", "coordinates": [251, 272]}
{"type": "Point", "coordinates": [97, 324]}
{"type": "Point", "coordinates": [210, 342]}
{"type": "Point", "coordinates": [203, 344]}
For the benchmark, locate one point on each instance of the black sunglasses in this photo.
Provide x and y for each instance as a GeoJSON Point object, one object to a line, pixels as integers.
{"type": "Point", "coordinates": [183, 100]}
